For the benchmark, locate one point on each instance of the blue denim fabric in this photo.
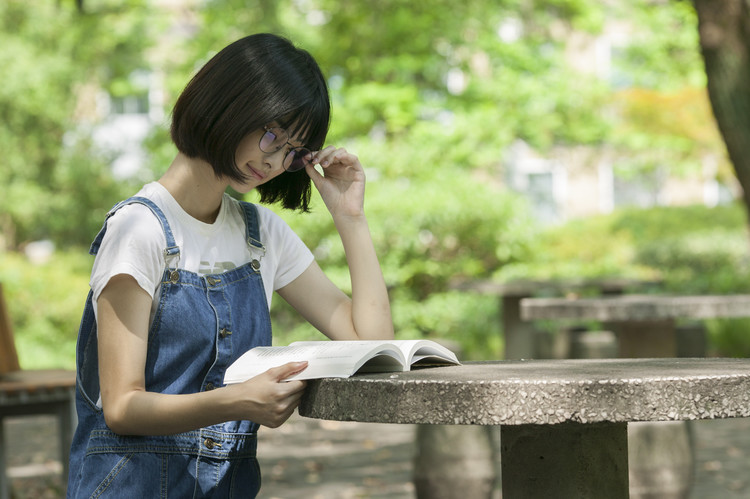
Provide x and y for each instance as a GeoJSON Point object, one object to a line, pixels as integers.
{"type": "Point", "coordinates": [202, 324]}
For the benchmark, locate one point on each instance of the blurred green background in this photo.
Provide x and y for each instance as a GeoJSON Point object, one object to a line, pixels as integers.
{"type": "Point", "coordinates": [434, 96]}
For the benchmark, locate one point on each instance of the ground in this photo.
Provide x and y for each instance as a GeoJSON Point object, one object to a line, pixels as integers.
{"type": "Point", "coordinates": [310, 459]}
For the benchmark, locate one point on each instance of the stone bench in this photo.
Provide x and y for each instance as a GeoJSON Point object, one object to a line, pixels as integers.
{"type": "Point", "coordinates": [563, 423]}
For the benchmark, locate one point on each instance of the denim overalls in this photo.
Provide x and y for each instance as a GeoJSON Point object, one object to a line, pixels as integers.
{"type": "Point", "coordinates": [202, 324]}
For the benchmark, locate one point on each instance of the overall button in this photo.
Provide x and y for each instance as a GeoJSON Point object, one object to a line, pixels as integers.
{"type": "Point", "coordinates": [210, 443]}
{"type": "Point", "coordinates": [213, 281]}
{"type": "Point", "coordinates": [255, 264]}
{"type": "Point", "coordinates": [209, 386]}
{"type": "Point", "coordinates": [174, 276]}
{"type": "Point", "coordinates": [224, 332]}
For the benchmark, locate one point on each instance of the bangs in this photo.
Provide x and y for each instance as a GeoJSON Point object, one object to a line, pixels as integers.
{"type": "Point", "coordinates": [309, 124]}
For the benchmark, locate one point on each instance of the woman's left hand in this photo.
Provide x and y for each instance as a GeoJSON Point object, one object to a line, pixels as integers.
{"type": "Point", "coordinates": [342, 184]}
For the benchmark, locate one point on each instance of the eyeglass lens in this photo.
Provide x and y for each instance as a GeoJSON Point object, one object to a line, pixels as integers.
{"type": "Point", "coordinates": [276, 138]}
{"type": "Point", "coordinates": [296, 159]}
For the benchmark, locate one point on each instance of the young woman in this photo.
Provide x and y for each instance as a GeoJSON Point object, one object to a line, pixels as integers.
{"type": "Point", "coordinates": [183, 277]}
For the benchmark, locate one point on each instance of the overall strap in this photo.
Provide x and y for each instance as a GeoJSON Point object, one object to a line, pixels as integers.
{"type": "Point", "coordinates": [171, 250]}
{"type": "Point", "coordinates": [252, 225]}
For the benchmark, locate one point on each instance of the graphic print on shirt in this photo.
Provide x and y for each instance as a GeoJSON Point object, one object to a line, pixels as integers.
{"type": "Point", "coordinates": [207, 268]}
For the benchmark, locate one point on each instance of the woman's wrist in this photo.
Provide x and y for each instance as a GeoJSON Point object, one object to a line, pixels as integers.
{"type": "Point", "coordinates": [350, 222]}
{"type": "Point", "coordinates": [229, 403]}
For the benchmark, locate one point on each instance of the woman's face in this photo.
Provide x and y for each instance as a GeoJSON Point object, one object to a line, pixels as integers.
{"type": "Point", "coordinates": [259, 166]}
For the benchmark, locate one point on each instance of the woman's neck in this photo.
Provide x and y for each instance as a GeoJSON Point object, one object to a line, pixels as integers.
{"type": "Point", "coordinates": [195, 187]}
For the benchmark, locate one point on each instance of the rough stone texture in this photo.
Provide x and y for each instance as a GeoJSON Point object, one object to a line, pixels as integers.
{"type": "Point", "coordinates": [539, 392]}
{"type": "Point", "coordinates": [636, 307]}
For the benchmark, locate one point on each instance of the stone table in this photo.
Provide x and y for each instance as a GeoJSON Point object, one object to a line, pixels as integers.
{"type": "Point", "coordinates": [518, 334]}
{"type": "Point", "coordinates": [645, 328]}
{"type": "Point", "coordinates": [563, 422]}
{"type": "Point", "coordinates": [644, 323]}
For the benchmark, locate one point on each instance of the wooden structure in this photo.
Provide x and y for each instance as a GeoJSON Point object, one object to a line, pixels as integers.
{"type": "Point", "coordinates": [32, 392]}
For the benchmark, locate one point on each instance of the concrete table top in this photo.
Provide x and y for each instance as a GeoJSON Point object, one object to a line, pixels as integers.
{"type": "Point", "coordinates": [637, 307]}
{"type": "Point", "coordinates": [518, 334]}
{"type": "Point", "coordinates": [539, 392]}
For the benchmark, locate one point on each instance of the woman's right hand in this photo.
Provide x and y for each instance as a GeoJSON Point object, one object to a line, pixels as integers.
{"type": "Point", "coordinates": [267, 399]}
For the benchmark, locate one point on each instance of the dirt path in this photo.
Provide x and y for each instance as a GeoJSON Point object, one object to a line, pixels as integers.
{"type": "Point", "coordinates": [310, 459]}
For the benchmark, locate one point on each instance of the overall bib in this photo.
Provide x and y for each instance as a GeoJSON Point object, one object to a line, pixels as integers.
{"type": "Point", "coordinates": [202, 324]}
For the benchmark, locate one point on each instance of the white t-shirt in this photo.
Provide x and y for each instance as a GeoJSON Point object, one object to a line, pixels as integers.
{"type": "Point", "coordinates": [134, 244]}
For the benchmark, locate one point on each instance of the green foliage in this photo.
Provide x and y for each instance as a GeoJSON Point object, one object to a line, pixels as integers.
{"type": "Point", "coordinates": [710, 261]}
{"type": "Point", "coordinates": [690, 250]}
{"type": "Point", "coordinates": [472, 321]}
{"type": "Point", "coordinates": [430, 95]}
{"type": "Point", "coordinates": [429, 234]}
{"type": "Point", "coordinates": [423, 252]}
{"type": "Point", "coordinates": [396, 107]}
{"type": "Point", "coordinates": [662, 117]}
{"type": "Point", "coordinates": [49, 54]}
{"type": "Point", "coordinates": [665, 131]}
{"type": "Point", "coordinates": [728, 337]}
{"type": "Point", "coordinates": [656, 223]}
{"type": "Point", "coordinates": [698, 250]}
{"type": "Point", "coordinates": [665, 55]}
{"type": "Point", "coordinates": [45, 303]}
{"type": "Point", "coordinates": [587, 248]}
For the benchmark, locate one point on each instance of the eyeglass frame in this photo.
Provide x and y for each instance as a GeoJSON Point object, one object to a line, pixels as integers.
{"type": "Point", "coordinates": [294, 153]}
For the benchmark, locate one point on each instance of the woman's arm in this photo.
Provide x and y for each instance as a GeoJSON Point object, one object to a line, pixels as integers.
{"type": "Point", "coordinates": [122, 316]}
{"type": "Point", "coordinates": [367, 315]}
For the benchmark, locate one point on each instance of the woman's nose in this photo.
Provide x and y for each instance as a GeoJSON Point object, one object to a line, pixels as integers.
{"type": "Point", "coordinates": [275, 159]}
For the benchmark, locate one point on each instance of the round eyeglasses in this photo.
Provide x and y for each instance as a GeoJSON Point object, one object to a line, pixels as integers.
{"type": "Point", "coordinates": [275, 139]}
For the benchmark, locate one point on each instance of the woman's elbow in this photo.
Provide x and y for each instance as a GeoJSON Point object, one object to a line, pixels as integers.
{"type": "Point", "coordinates": [115, 416]}
{"type": "Point", "coordinates": [115, 421]}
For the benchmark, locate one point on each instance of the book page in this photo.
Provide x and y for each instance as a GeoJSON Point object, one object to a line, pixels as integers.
{"type": "Point", "coordinates": [423, 350]}
{"type": "Point", "coordinates": [340, 358]}
{"type": "Point", "coordinates": [325, 359]}
{"type": "Point", "coordinates": [365, 355]}
{"type": "Point", "coordinates": [414, 351]}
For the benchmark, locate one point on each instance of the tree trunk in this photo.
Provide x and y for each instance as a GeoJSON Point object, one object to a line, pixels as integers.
{"type": "Point", "coordinates": [724, 28]}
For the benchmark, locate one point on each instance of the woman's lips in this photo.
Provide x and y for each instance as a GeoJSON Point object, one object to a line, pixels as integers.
{"type": "Point", "coordinates": [255, 173]}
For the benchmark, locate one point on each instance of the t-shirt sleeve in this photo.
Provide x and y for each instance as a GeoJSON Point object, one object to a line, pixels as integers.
{"type": "Point", "coordinates": [291, 255]}
{"type": "Point", "coordinates": [133, 244]}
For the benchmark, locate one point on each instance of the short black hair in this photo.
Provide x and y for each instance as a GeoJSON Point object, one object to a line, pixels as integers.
{"type": "Point", "coordinates": [257, 80]}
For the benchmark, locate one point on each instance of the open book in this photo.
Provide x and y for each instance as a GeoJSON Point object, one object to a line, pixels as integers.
{"type": "Point", "coordinates": [340, 359]}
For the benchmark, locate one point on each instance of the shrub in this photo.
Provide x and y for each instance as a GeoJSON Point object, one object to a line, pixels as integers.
{"type": "Point", "coordinates": [45, 303]}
